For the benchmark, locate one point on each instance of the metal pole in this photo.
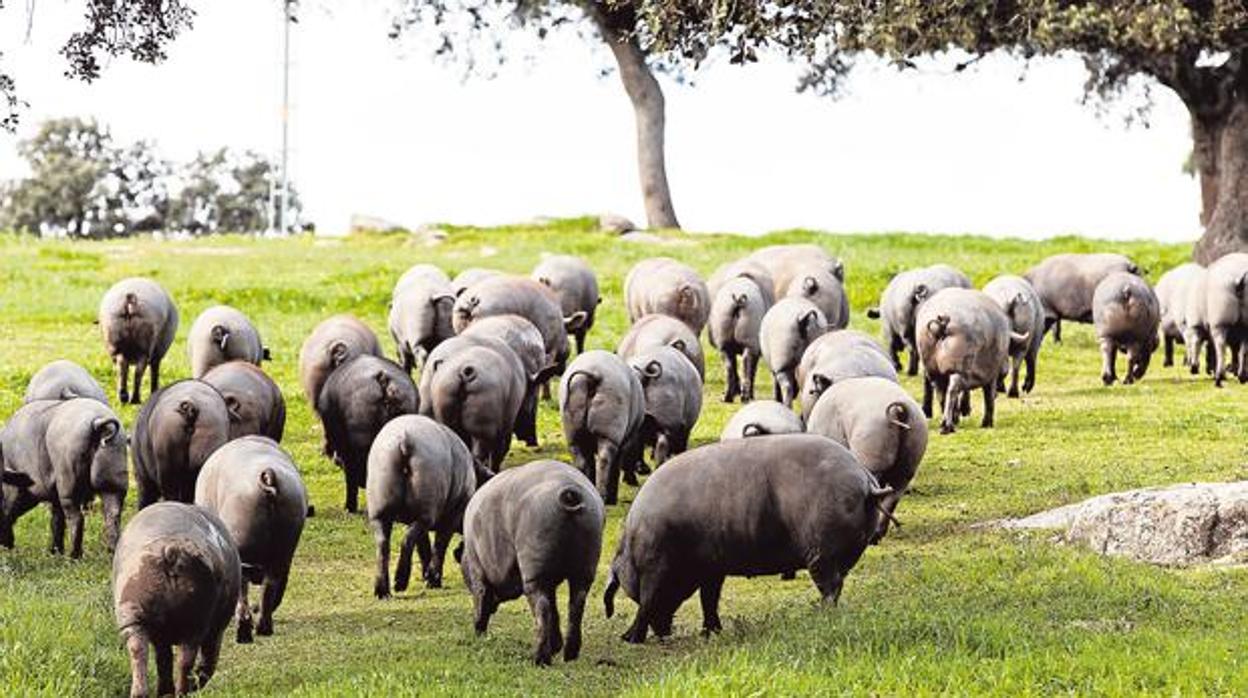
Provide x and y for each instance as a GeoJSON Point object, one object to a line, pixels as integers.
{"type": "Point", "coordinates": [283, 221]}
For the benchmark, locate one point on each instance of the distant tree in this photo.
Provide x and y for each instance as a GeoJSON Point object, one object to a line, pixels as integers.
{"type": "Point", "coordinates": [1197, 49]}
{"type": "Point", "coordinates": [224, 193]}
{"type": "Point", "coordinates": [69, 160]}
{"type": "Point", "coordinates": [462, 24]}
{"type": "Point", "coordinates": [82, 185]}
{"type": "Point", "coordinates": [137, 190]}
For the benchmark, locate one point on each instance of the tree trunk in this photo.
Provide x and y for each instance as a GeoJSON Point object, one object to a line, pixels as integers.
{"type": "Point", "coordinates": [1227, 230]}
{"type": "Point", "coordinates": [1206, 136]}
{"type": "Point", "coordinates": [616, 26]}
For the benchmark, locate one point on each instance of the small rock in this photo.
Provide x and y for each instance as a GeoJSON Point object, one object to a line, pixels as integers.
{"type": "Point", "coordinates": [1180, 525]}
{"type": "Point", "coordinates": [615, 224]}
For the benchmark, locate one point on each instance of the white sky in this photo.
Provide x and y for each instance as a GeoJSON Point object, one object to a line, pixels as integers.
{"type": "Point", "coordinates": [380, 129]}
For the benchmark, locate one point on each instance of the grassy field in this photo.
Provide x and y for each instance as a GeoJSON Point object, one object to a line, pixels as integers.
{"type": "Point", "coordinates": [939, 607]}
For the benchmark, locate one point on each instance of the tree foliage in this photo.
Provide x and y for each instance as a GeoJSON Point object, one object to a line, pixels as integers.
{"type": "Point", "coordinates": [82, 184]}
{"type": "Point", "coordinates": [138, 29]}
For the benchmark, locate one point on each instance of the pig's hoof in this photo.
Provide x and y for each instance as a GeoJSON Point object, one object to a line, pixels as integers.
{"type": "Point", "coordinates": [711, 627]}
{"type": "Point", "coordinates": [1013, 393]}
{"type": "Point", "coordinates": [381, 591]}
{"type": "Point", "coordinates": [571, 651]}
{"type": "Point", "coordinates": [1107, 379]}
{"type": "Point", "coordinates": [264, 628]}
{"type": "Point", "coordinates": [630, 479]}
{"type": "Point", "coordinates": [642, 468]}
{"type": "Point", "coordinates": [633, 638]}
{"type": "Point", "coordinates": [946, 428]}
{"type": "Point", "coordinates": [123, 397]}
{"type": "Point", "coordinates": [434, 582]}
{"type": "Point", "coordinates": [243, 637]}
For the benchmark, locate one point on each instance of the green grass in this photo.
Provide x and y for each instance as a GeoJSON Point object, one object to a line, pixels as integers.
{"type": "Point", "coordinates": [939, 607]}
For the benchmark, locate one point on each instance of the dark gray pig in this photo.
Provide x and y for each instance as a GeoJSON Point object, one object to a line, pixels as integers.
{"type": "Point", "coordinates": [477, 387]}
{"type": "Point", "coordinates": [62, 380]}
{"type": "Point", "coordinates": [602, 405]}
{"type": "Point", "coordinates": [524, 339]}
{"type": "Point", "coordinates": [428, 272]}
{"type": "Point", "coordinates": [762, 418]}
{"type": "Point", "coordinates": [422, 475]}
{"type": "Point", "coordinates": [222, 334]}
{"type": "Point", "coordinates": [177, 429]}
{"type": "Point", "coordinates": [527, 531]}
{"type": "Point", "coordinates": [466, 278]}
{"type": "Point", "coordinates": [743, 268]}
{"type": "Point", "coordinates": [899, 304]}
{"type": "Point", "coordinates": [784, 262]}
{"type": "Point", "coordinates": [664, 285]}
{"type": "Point", "coordinates": [334, 342]}
{"type": "Point", "coordinates": [883, 427]}
{"type": "Point", "coordinates": [851, 360]}
{"type": "Point", "coordinates": [1172, 290]}
{"type": "Point", "coordinates": [1226, 314]}
{"type": "Point", "coordinates": [745, 507]}
{"type": "Point", "coordinates": [787, 329]}
{"type": "Point", "coordinates": [1022, 305]}
{"type": "Point", "coordinates": [673, 393]}
{"type": "Point", "coordinates": [139, 320]}
{"type": "Point", "coordinates": [1066, 282]}
{"type": "Point", "coordinates": [819, 286]}
{"type": "Point", "coordinates": [833, 342]}
{"type": "Point", "coordinates": [1126, 315]}
{"type": "Point", "coordinates": [66, 452]}
{"type": "Point", "coordinates": [420, 318]}
{"type": "Point", "coordinates": [517, 295]}
{"type": "Point", "coordinates": [256, 490]}
{"type": "Point", "coordinates": [252, 397]}
{"type": "Point", "coordinates": [176, 577]}
{"type": "Point", "coordinates": [964, 341]}
{"type": "Point", "coordinates": [356, 402]}
{"type": "Point", "coordinates": [1197, 341]}
{"type": "Point", "coordinates": [735, 322]}
{"type": "Point", "coordinates": [658, 330]}
{"type": "Point", "coordinates": [574, 282]}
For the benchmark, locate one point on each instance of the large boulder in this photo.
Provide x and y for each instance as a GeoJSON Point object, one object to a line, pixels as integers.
{"type": "Point", "coordinates": [1179, 525]}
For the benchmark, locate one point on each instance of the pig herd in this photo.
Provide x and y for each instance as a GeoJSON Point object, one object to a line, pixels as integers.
{"type": "Point", "coordinates": [222, 506]}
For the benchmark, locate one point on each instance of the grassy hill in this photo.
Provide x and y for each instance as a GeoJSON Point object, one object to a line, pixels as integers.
{"type": "Point", "coordinates": [939, 607]}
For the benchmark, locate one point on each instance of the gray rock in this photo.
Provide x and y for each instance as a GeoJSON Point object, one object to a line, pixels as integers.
{"type": "Point", "coordinates": [1178, 526]}
{"type": "Point", "coordinates": [615, 224]}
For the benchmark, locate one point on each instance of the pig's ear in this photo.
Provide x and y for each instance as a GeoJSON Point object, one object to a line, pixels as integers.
{"type": "Point", "coordinates": [233, 406]}
{"type": "Point", "coordinates": [575, 321]}
{"type": "Point", "coordinates": [808, 322]}
{"type": "Point", "coordinates": [104, 430]}
{"type": "Point", "coordinates": [338, 352]}
{"type": "Point", "coordinates": [821, 382]}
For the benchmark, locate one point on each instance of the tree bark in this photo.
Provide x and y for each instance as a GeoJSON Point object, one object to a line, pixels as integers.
{"type": "Point", "coordinates": [616, 24]}
{"type": "Point", "coordinates": [1206, 142]}
{"type": "Point", "coordinates": [1227, 229]}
